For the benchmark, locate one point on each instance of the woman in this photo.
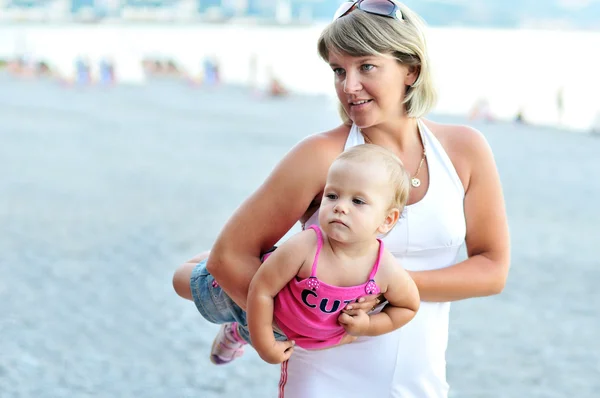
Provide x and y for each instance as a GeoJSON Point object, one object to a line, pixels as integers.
{"type": "Point", "coordinates": [377, 52]}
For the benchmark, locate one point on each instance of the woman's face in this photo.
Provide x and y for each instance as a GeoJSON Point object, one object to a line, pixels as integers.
{"type": "Point", "coordinates": [370, 88]}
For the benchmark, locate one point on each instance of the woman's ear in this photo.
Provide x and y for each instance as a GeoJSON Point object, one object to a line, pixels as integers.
{"type": "Point", "coordinates": [390, 220]}
{"type": "Point", "coordinates": [412, 75]}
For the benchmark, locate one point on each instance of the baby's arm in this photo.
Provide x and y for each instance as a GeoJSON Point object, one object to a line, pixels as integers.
{"type": "Point", "coordinates": [402, 295]}
{"type": "Point", "coordinates": [280, 268]}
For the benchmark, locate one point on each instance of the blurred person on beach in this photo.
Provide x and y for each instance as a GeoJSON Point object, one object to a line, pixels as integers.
{"type": "Point", "coordinates": [22, 67]}
{"type": "Point", "coordinates": [43, 69]}
{"type": "Point", "coordinates": [300, 287]}
{"type": "Point", "coordinates": [377, 52]}
{"type": "Point", "coordinates": [276, 88]}
{"type": "Point", "coordinates": [481, 110]}
{"type": "Point", "coordinates": [83, 75]}
{"type": "Point", "coordinates": [560, 105]}
{"type": "Point", "coordinates": [211, 71]}
{"type": "Point", "coordinates": [106, 72]}
{"type": "Point", "coordinates": [520, 116]}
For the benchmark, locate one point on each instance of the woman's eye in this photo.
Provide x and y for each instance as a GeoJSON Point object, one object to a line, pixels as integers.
{"type": "Point", "coordinates": [338, 71]}
{"type": "Point", "coordinates": [367, 67]}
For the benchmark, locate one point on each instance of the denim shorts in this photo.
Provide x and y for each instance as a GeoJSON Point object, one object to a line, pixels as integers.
{"type": "Point", "coordinates": [215, 305]}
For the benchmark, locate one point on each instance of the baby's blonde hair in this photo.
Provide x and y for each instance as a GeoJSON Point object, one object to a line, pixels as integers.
{"type": "Point", "coordinates": [398, 176]}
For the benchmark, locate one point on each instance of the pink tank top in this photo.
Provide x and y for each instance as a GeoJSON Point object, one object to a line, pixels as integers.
{"type": "Point", "coordinates": [307, 310]}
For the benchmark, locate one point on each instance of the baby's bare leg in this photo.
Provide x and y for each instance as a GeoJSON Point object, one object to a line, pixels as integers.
{"type": "Point", "coordinates": [181, 277]}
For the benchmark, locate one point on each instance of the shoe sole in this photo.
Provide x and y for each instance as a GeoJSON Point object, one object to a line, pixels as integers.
{"type": "Point", "coordinates": [214, 358]}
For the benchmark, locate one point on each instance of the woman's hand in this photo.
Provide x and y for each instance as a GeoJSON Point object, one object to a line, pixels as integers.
{"type": "Point", "coordinates": [345, 340]}
{"type": "Point", "coordinates": [348, 338]}
{"type": "Point", "coordinates": [365, 303]}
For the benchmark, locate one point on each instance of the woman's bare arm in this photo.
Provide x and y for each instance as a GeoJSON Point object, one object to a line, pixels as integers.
{"type": "Point", "coordinates": [271, 211]}
{"type": "Point", "coordinates": [485, 271]}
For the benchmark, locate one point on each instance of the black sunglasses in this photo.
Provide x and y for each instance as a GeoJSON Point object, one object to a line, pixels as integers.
{"type": "Point", "coordinates": [385, 8]}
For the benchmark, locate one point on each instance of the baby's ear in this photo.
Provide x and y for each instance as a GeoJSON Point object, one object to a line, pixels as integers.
{"type": "Point", "coordinates": [390, 220]}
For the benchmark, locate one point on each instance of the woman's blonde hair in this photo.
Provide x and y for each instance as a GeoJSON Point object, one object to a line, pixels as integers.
{"type": "Point", "coordinates": [398, 176]}
{"type": "Point", "coordinates": [362, 34]}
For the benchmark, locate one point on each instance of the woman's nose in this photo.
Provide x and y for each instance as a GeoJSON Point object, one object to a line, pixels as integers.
{"type": "Point", "coordinates": [352, 83]}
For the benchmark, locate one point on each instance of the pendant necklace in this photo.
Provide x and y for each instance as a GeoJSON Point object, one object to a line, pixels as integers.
{"type": "Point", "coordinates": [415, 181]}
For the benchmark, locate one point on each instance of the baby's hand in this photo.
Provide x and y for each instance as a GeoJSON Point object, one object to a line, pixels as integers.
{"type": "Point", "coordinates": [356, 322]}
{"type": "Point", "coordinates": [279, 352]}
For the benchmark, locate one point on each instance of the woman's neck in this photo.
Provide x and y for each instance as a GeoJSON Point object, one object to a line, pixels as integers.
{"type": "Point", "coordinates": [401, 135]}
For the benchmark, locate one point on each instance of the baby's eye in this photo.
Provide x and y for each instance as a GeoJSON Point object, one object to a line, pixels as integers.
{"type": "Point", "coordinates": [331, 196]}
{"type": "Point", "coordinates": [358, 201]}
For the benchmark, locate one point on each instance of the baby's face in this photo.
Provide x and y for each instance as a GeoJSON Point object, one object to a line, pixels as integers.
{"type": "Point", "coordinates": [356, 200]}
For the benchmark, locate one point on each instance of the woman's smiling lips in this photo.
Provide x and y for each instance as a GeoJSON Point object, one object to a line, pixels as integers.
{"type": "Point", "coordinates": [359, 104]}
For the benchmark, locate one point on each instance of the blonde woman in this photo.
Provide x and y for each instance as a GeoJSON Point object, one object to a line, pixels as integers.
{"type": "Point", "coordinates": [377, 52]}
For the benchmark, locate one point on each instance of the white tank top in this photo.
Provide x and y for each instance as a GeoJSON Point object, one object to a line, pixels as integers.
{"type": "Point", "coordinates": [409, 362]}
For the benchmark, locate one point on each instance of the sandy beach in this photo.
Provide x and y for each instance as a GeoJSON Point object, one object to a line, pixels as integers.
{"type": "Point", "coordinates": [105, 191]}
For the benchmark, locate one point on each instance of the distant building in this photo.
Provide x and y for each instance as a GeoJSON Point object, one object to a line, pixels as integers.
{"type": "Point", "coordinates": [254, 9]}
{"type": "Point", "coordinates": [78, 5]}
{"type": "Point", "coordinates": [26, 10]}
{"type": "Point", "coordinates": [205, 5]}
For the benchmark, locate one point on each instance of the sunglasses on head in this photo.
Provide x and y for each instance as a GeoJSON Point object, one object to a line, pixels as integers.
{"type": "Point", "coordinates": [384, 8]}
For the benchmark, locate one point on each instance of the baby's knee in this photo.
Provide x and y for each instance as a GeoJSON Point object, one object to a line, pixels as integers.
{"type": "Point", "coordinates": [183, 274]}
{"type": "Point", "coordinates": [181, 280]}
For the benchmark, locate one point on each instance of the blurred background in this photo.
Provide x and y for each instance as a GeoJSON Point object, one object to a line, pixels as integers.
{"type": "Point", "coordinates": [131, 130]}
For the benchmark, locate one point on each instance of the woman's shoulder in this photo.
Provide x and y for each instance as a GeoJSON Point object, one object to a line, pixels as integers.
{"type": "Point", "coordinates": [464, 145]}
{"type": "Point", "coordinates": [456, 136]}
{"type": "Point", "coordinates": [320, 148]}
{"type": "Point", "coordinates": [332, 139]}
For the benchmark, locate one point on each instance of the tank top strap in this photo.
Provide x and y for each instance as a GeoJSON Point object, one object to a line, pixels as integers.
{"type": "Point", "coordinates": [354, 138]}
{"type": "Point", "coordinates": [313, 272]}
{"type": "Point", "coordinates": [438, 160]}
{"type": "Point", "coordinates": [377, 261]}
